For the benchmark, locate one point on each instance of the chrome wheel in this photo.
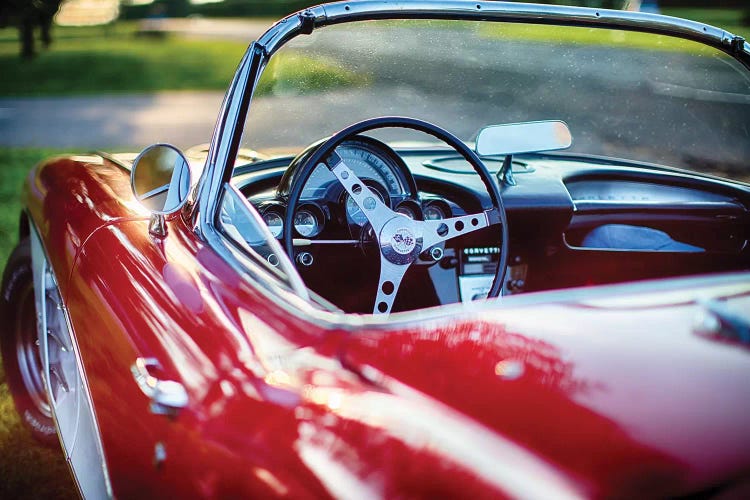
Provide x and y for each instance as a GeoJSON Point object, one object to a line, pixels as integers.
{"type": "Point", "coordinates": [64, 380]}
{"type": "Point", "coordinates": [28, 354]}
{"type": "Point", "coordinates": [20, 344]}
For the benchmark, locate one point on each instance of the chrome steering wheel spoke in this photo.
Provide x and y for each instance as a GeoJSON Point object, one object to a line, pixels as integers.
{"type": "Point", "coordinates": [390, 279]}
{"type": "Point", "coordinates": [438, 231]}
{"type": "Point", "coordinates": [376, 212]}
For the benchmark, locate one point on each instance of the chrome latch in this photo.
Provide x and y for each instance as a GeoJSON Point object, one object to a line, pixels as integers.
{"type": "Point", "coordinates": [167, 396]}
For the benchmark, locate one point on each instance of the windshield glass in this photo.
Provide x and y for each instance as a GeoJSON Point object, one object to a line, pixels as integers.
{"type": "Point", "coordinates": [623, 94]}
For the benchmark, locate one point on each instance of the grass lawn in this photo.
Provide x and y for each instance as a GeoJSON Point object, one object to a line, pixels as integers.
{"type": "Point", "coordinates": [14, 165]}
{"type": "Point", "coordinates": [27, 470]}
{"type": "Point", "coordinates": [114, 59]}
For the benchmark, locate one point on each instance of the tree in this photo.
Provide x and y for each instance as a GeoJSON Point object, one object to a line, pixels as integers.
{"type": "Point", "coordinates": [28, 15]}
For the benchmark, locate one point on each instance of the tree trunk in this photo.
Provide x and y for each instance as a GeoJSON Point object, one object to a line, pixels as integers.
{"type": "Point", "coordinates": [26, 29]}
{"type": "Point", "coordinates": [45, 26]}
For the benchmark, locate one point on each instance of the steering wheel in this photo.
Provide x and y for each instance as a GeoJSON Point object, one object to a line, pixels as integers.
{"type": "Point", "coordinates": [400, 239]}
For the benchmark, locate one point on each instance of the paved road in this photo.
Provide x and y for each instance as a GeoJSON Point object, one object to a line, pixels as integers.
{"type": "Point", "coordinates": [109, 122]}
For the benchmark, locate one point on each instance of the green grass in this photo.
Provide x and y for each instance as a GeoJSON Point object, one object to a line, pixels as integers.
{"type": "Point", "coordinates": [114, 59]}
{"type": "Point", "coordinates": [97, 60]}
{"type": "Point", "coordinates": [293, 73]}
{"type": "Point", "coordinates": [592, 36]}
{"type": "Point", "coordinates": [27, 470]}
{"type": "Point", "coordinates": [14, 166]}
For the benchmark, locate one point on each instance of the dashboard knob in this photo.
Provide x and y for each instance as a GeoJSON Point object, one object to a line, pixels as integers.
{"type": "Point", "coordinates": [516, 285]}
{"type": "Point", "coordinates": [305, 259]}
{"type": "Point", "coordinates": [433, 254]}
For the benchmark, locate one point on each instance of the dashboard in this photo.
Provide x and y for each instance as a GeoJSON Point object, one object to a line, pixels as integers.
{"type": "Point", "coordinates": [327, 211]}
{"type": "Point", "coordinates": [573, 221]}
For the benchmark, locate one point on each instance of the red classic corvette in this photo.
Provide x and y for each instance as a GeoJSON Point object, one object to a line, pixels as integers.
{"type": "Point", "coordinates": [424, 303]}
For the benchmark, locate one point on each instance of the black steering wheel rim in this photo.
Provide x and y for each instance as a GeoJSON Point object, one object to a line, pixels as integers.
{"type": "Point", "coordinates": [330, 145]}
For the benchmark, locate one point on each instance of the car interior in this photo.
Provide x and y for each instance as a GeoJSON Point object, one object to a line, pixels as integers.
{"type": "Point", "coordinates": [573, 221]}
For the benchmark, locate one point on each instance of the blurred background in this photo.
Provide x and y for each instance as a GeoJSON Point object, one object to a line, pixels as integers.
{"type": "Point", "coordinates": [79, 75]}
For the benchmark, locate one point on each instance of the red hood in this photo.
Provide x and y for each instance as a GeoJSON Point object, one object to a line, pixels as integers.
{"type": "Point", "coordinates": [625, 398]}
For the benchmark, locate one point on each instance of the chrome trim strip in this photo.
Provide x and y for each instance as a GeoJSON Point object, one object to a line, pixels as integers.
{"type": "Point", "coordinates": [115, 161]}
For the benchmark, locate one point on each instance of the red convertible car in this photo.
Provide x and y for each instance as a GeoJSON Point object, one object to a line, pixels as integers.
{"type": "Point", "coordinates": [434, 249]}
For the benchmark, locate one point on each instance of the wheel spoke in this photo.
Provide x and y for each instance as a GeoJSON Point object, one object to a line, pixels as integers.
{"type": "Point", "coordinates": [376, 212]}
{"type": "Point", "coordinates": [438, 231]}
{"type": "Point", "coordinates": [390, 279]}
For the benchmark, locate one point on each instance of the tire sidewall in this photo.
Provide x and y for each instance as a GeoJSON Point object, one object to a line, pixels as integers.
{"type": "Point", "coordinates": [17, 286]}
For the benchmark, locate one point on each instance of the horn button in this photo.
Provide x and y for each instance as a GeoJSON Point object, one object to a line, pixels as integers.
{"type": "Point", "coordinates": [401, 240]}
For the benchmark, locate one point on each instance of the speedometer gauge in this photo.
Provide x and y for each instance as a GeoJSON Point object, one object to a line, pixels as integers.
{"type": "Point", "coordinates": [370, 164]}
{"type": "Point", "coordinates": [369, 159]}
{"type": "Point", "coordinates": [354, 213]}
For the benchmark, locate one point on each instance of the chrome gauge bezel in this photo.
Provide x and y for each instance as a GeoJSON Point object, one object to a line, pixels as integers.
{"type": "Point", "coordinates": [316, 213]}
{"type": "Point", "coordinates": [410, 209]}
{"type": "Point", "coordinates": [435, 204]}
{"type": "Point", "coordinates": [269, 210]}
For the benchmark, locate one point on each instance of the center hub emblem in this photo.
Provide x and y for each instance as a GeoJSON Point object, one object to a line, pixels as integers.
{"type": "Point", "coordinates": [403, 241]}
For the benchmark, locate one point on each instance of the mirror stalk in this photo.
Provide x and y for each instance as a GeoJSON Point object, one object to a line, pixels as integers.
{"type": "Point", "coordinates": [505, 174]}
{"type": "Point", "coordinates": [157, 226]}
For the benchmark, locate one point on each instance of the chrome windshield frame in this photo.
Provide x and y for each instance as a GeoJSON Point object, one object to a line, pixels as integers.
{"type": "Point", "coordinates": [230, 124]}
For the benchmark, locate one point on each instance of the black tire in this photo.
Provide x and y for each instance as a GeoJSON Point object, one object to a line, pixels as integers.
{"type": "Point", "coordinates": [21, 357]}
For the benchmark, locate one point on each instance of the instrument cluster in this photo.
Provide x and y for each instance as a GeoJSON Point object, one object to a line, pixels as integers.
{"type": "Point", "coordinates": [312, 218]}
{"type": "Point", "coordinates": [325, 207]}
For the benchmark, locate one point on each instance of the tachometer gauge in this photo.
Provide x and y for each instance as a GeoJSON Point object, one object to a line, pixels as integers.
{"type": "Point", "coordinates": [410, 209]}
{"type": "Point", "coordinates": [434, 212]}
{"type": "Point", "coordinates": [275, 223]}
{"type": "Point", "coordinates": [306, 224]}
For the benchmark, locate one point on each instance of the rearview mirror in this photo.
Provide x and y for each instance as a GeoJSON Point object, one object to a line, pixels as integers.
{"type": "Point", "coordinates": [529, 137]}
{"type": "Point", "coordinates": [160, 179]}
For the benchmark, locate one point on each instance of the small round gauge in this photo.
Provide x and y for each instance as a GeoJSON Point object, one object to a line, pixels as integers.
{"type": "Point", "coordinates": [410, 209]}
{"type": "Point", "coordinates": [434, 212]}
{"type": "Point", "coordinates": [354, 213]}
{"type": "Point", "coordinates": [306, 223]}
{"type": "Point", "coordinates": [406, 210]}
{"type": "Point", "coordinates": [275, 223]}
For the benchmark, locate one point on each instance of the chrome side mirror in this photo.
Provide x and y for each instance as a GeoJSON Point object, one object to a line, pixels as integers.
{"type": "Point", "coordinates": [517, 138]}
{"type": "Point", "coordinates": [161, 179]}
